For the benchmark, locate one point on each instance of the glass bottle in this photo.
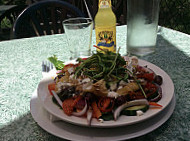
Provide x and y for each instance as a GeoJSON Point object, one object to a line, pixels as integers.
{"type": "Point", "coordinates": [105, 26]}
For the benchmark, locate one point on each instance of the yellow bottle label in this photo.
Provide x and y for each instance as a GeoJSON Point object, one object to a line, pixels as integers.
{"type": "Point", "coordinates": [104, 3]}
{"type": "Point", "coordinates": [106, 38]}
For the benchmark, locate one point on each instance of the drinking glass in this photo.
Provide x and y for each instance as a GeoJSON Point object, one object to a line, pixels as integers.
{"type": "Point", "coordinates": [79, 36]}
{"type": "Point", "coordinates": [142, 24]}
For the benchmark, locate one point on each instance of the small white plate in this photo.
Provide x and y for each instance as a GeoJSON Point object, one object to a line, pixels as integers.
{"type": "Point", "coordinates": [167, 90]}
{"type": "Point", "coordinates": [73, 132]}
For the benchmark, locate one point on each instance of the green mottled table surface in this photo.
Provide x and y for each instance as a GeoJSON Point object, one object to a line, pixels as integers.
{"type": "Point", "coordinates": [20, 73]}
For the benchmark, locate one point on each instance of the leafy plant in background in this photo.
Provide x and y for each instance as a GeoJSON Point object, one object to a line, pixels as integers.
{"type": "Point", "coordinates": [5, 23]}
{"type": "Point", "coordinates": [12, 2]}
{"type": "Point", "coordinates": [175, 14]}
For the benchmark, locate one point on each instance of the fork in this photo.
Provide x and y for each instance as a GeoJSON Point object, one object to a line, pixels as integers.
{"type": "Point", "coordinates": [47, 67]}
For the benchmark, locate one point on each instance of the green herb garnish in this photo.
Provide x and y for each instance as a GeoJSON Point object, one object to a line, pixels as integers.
{"type": "Point", "coordinates": [57, 63]}
{"type": "Point", "coordinates": [105, 65]}
{"type": "Point", "coordinates": [138, 83]}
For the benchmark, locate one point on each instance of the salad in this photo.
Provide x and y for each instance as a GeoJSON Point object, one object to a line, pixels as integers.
{"type": "Point", "coordinates": [106, 86]}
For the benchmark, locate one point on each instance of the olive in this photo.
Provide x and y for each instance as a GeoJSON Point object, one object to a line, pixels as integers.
{"type": "Point", "coordinates": [89, 97]}
{"type": "Point", "coordinates": [158, 79]}
{"type": "Point", "coordinates": [71, 89]}
{"type": "Point", "coordinates": [120, 100]}
{"type": "Point", "coordinates": [66, 92]}
{"type": "Point", "coordinates": [60, 75]}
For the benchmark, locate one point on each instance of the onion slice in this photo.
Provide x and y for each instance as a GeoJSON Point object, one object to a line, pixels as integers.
{"type": "Point", "coordinates": [129, 104]}
{"type": "Point", "coordinates": [159, 96]}
{"type": "Point", "coordinates": [57, 98]}
{"type": "Point", "coordinates": [89, 116]}
{"type": "Point", "coordinates": [81, 113]}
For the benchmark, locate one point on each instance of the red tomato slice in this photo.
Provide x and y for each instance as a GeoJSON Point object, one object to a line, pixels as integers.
{"type": "Point", "coordinates": [71, 65]}
{"type": "Point", "coordinates": [151, 88]}
{"type": "Point", "coordinates": [148, 76]}
{"type": "Point", "coordinates": [84, 58]}
{"type": "Point", "coordinates": [105, 104]}
{"type": "Point", "coordinates": [51, 87]}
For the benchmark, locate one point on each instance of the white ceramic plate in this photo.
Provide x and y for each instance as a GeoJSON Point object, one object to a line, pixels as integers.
{"type": "Point", "coordinates": [72, 132]}
{"type": "Point", "coordinates": [167, 90]}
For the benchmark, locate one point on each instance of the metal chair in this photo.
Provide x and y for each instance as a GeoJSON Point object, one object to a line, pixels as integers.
{"type": "Point", "coordinates": [44, 18]}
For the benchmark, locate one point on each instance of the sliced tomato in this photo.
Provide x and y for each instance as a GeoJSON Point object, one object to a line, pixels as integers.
{"type": "Point", "coordinates": [69, 65]}
{"type": "Point", "coordinates": [147, 76]}
{"type": "Point", "coordinates": [151, 90]}
{"type": "Point", "coordinates": [151, 87]}
{"type": "Point", "coordinates": [106, 104]}
{"type": "Point", "coordinates": [68, 106]}
{"type": "Point", "coordinates": [84, 58]}
{"type": "Point", "coordinates": [51, 87]}
{"type": "Point", "coordinates": [96, 111]}
{"type": "Point", "coordinates": [66, 67]}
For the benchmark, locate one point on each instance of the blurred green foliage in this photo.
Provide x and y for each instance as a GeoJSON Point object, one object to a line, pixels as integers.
{"type": "Point", "coordinates": [12, 2]}
{"type": "Point", "coordinates": [175, 14]}
{"type": "Point", "coordinates": [5, 24]}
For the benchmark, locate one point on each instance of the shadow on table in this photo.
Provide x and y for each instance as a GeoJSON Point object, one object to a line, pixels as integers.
{"type": "Point", "coordinates": [171, 60]}
{"type": "Point", "coordinates": [25, 128]}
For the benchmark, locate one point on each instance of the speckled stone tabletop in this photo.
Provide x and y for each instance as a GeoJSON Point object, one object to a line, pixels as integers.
{"type": "Point", "coordinates": [20, 73]}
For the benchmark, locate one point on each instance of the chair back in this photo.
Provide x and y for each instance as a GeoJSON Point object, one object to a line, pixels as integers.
{"type": "Point", "coordinates": [44, 18]}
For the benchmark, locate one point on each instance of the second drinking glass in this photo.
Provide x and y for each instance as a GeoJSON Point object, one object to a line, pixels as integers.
{"type": "Point", "coordinates": [79, 36]}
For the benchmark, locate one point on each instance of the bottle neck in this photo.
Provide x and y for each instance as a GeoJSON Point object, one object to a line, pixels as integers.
{"type": "Point", "coordinates": [104, 4]}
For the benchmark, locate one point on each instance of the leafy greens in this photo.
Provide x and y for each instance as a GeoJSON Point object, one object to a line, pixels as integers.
{"type": "Point", "coordinates": [57, 63]}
